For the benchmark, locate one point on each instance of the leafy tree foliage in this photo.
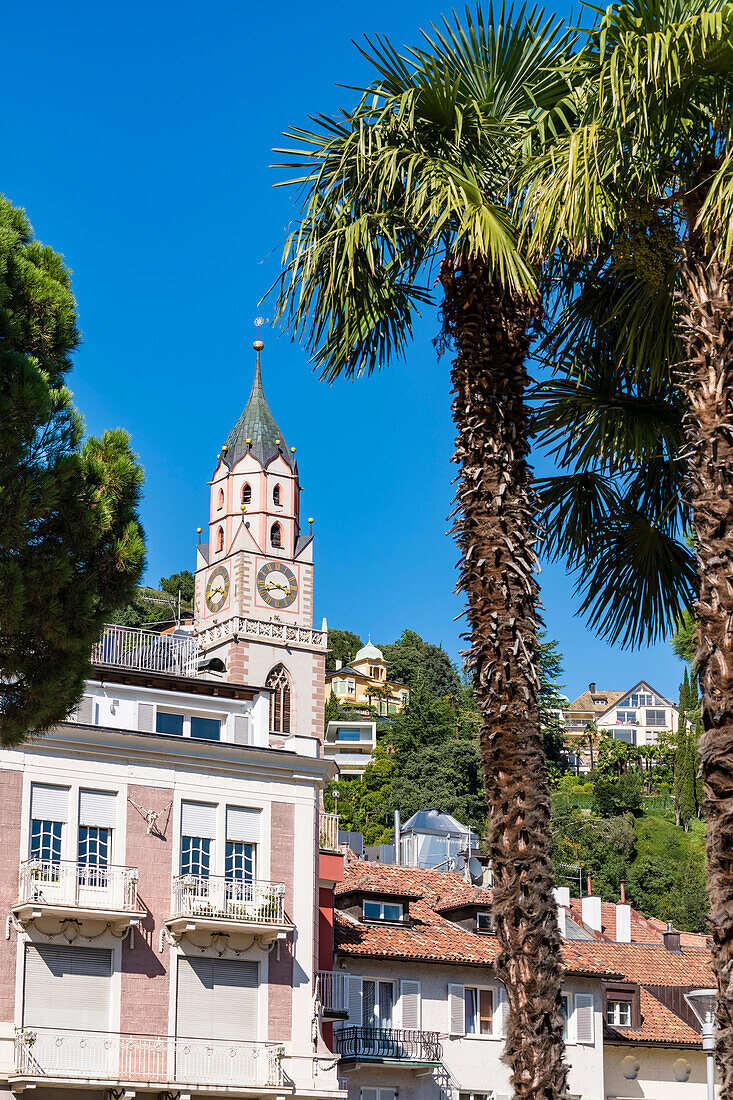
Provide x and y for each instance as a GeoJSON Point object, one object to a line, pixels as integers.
{"type": "Point", "coordinates": [183, 582]}
{"type": "Point", "coordinates": [71, 546]}
{"type": "Point", "coordinates": [618, 796]}
{"type": "Point", "coordinates": [344, 646]}
{"type": "Point", "coordinates": [362, 803]}
{"type": "Point", "coordinates": [446, 775]}
{"type": "Point", "coordinates": [150, 606]}
{"type": "Point", "coordinates": [410, 659]}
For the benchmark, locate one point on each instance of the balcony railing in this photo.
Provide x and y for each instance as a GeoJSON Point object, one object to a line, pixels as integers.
{"type": "Point", "coordinates": [330, 832]}
{"type": "Point", "coordinates": [106, 1056]}
{"type": "Point", "coordinates": [379, 1044]}
{"type": "Point", "coordinates": [245, 626]}
{"type": "Point", "coordinates": [229, 899]}
{"type": "Point", "coordinates": [69, 884]}
{"type": "Point", "coordinates": [131, 647]}
{"type": "Point", "coordinates": [333, 992]}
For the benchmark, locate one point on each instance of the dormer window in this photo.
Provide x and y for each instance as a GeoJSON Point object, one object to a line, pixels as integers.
{"type": "Point", "coordinates": [246, 493]}
{"type": "Point", "coordinates": [276, 536]}
{"type": "Point", "coordinates": [383, 910]}
{"type": "Point", "coordinates": [220, 500]}
{"type": "Point", "coordinates": [276, 495]}
{"type": "Point", "coordinates": [485, 923]}
{"type": "Point", "coordinates": [618, 1013]}
{"type": "Point", "coordinates": [219, 539]}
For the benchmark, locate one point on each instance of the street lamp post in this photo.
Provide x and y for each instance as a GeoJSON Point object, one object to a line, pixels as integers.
{"type": "Point", "coordinates": [702, 1002]}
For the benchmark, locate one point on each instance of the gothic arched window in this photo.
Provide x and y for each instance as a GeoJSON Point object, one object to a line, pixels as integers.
{"type": "Point", "coordinates": [279, 684]}
{"type": "Point", "coordinates": [276, 536]}
{"type": "Point", "coordinates": [276, 495]}
{"type": "Point", "coordinates": [220, 499]}
{"type": "Point", "coordinates": [219, 540]}
{"type": "Point", "coordinates": [246, 493]}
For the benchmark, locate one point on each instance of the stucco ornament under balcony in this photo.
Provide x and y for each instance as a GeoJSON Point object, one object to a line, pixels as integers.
{"type": "Point", "coordinates": [66, 890]}
{"type": "Point", "coordinates": [223, 906]}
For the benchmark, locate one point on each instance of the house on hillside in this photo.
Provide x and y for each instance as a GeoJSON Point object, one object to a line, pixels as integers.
{"type": "Point", "coordinates": [636, 716]}
{"type": "Point", "coordinates": [363, 682]}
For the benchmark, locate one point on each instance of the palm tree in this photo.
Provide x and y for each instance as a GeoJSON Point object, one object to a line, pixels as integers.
{"type": "Point", "coordinates": [639, 192]}
{"type": "Point", "coordinates": [414, 182]}
{"type": "Point", "coordinates": [590, 738]}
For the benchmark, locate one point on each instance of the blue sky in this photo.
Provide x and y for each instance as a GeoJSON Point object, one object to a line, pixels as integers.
{"type": "Point", "coordinates": [138, 138]}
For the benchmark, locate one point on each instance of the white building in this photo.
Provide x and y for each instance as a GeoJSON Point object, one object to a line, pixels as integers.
{"type": "Point", "coordinates": [350, 745]}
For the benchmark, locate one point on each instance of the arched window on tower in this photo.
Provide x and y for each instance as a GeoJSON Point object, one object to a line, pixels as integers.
{"type": "Point", "coordinates": [220, 499]}
{"type": "Point", "coordinates": [219, 540]}
{"type": "Point", "coordinates": [276, 536]}
{"type": "Point", "coordinates": [246, 493]}
{"type": "Point", "coordinates": [276, 495]}
{"type": "Point", "coordinates": [279, 684]}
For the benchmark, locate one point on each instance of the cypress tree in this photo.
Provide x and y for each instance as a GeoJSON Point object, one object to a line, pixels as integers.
{"type": "Point", "coordinates": [688, 805]}
{"type": "Point", "coordinates": [681, 749]}
{"type": "Point", "coordinates": [71, 547]}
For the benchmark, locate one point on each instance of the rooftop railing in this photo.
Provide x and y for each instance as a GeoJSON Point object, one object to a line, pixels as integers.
{"type": "Point", "coordinates": [147, 651]}
{"type": "Point", "coordinates": [329, 828]}
{"type": "Point", "coordinates": [107, 1056]}
{"type": "Point", "coordinates": [228, 899]}
{"type": "Point", "coordinates": [78, 885]}
{"type": "Point", "coordinates": [388, 1044]}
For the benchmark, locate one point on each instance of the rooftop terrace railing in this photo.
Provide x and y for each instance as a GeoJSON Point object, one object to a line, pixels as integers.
{"type": "Point", "coordinates": [147, 651]}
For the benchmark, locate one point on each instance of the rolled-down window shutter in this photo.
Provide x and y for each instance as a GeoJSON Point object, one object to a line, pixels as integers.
{"type": "Point", "coordinates": [217, 999]}
{"type": "Point", "coordinates": [241, 730]}
{"type": "Point", "coordinates": [584, 1017]}
{"type": "Point", "coordinates": [49, 803]}
{"type": "Point", "coordinates": [355, 997]}
{"type": "Point", "coordinates": [410, 1005]}
{"type": "Point", "coordinates": [145, 717]}
{"type": "Point", "coordinates": [369, 1094]}
{"type": "Point", "coordinates": [503, 1012]}
{"type": "Point", "coordinates": [198, 819]}
{"type": "Point", "coordinates": [60, 980]}
{"type": "Point", "coordinates": [98, 808]}
{"type": "Point", "coordinates": [457, 1007]}
{"type": "Point", "coordinates": [243, 824]}
{"type": "Point", "coordinates": [84, 713]}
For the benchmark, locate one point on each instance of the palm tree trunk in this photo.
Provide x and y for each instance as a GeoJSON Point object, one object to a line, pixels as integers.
{"type": "Point", "coordinates": [708, 331]}
{"type": "Point", "coordinates": [496, 531]}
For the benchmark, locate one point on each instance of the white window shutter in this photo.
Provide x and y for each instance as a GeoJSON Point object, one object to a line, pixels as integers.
{"type": "Point", "coordinates": [84, 713]}
{"type": "Point", "coordinates": [354, 1001]}
{"type": "Point", "coordinates": [198, 819]}
{"type": "Point", "coordinates": [60, 980]}
{"type": "Point", "coordinates": [49, 803]}
{"type": "Point", "coordinates": [217, 999]}
{"type": "Point", "coordinates": [145, 717]}
{"type": "Point", "coordinates": [243, 824]}
{"type": "Point", "coordinates": [241, 729]}
{"type": "Point", "coordinates": [503, 1012]}
{"type": "Point", "coordinates": [584, 1017]}
{"type": "Point", "coordinates": [98, 808]}
{"type": "Point", "coordinates": [410, 1005]}
{"type": "Point", "coordinates": [457, 1007]}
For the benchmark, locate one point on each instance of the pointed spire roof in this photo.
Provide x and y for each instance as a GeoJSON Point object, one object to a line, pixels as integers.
{"type": "Point", "coordinates": [258, 425]}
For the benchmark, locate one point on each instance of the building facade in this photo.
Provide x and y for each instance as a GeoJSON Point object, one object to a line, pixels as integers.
{"type": "Point", "coordinates": [363, 682]}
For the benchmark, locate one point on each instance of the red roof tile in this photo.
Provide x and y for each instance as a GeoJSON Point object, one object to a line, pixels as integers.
{"type": "Point", "coordinates": [659, 1024]}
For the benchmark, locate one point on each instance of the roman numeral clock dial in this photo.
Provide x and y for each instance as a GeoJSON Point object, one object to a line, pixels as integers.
{"type": "Point", "coordinates": [276, 584]}
{"type": "Point", "coordinates": [217, 588]}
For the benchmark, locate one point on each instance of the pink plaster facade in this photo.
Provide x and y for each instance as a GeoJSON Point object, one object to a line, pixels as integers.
{"type": "Point", "coordinates": [280, 975]}
{"type": "Point", "coordinates": [11, 797]}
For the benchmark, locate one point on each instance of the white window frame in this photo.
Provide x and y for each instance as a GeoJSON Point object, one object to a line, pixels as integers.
{"type": "Point", "coordinates": [618, 1001]}
{"type": "Point", "coordinates": [498, 1015]}
{"type": "Point", "coordinates": [395, 1002]}
{"type": "Point", "coordinates": [217, 867]}
{"type": "Point", "coordinates": [479, 989]}
{"type": "Point", "coordinates": [381, 904]}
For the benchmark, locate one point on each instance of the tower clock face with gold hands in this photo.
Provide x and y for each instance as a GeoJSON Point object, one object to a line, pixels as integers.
{"type": "Point", "coordinates": [276, 584]}
{"type": "Point", "coordinates": [217, 588]}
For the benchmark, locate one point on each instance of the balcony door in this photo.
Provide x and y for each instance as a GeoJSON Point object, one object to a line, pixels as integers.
{"type": "Point", "coordinates": [216, 1006]}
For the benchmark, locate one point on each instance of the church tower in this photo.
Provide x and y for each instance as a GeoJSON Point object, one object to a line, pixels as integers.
{"type": "Point", "coordinates": [254, 577]}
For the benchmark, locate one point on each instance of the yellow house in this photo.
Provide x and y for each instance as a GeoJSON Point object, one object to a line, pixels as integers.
{"type": "Point", "coordinates": [364, 683]}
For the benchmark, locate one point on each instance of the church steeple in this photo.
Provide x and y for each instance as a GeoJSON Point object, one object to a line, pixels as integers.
{"type": "Point", "coordinates": [256, 424]}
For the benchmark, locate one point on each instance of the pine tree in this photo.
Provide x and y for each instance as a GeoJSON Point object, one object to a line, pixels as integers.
{"type": "Point", "coordinates": [681, 750]}
{"type": "Point", "coordinates": [71, 547]}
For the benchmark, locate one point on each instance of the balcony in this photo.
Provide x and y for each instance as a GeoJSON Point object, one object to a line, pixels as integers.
{"type": "Point", "coordinates": [329, 828]}
{"type": "Point", "coordinates": [333, 993]}
{"type": "Point", "coordinates": [388, 1045]}
{"type": "Point", "coordinates": [66, 888]}
{"type": "Point", "coordinates": [58, 1054]}
{"type": "Point", "coordinates": [218, 904]}
{"type": "Point", "coordinates": [146, 651]}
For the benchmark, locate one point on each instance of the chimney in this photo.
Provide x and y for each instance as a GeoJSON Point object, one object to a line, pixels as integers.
{"type": "Point", "coordinates": [562, 895]}
{"type": "Point", "coordinates": [562, 899]}
{"type": "Point", "coordinates": [623, 923]}
{"type": "Point", "coordinates": [592, 686]}
{"type": "Point", "coordinates": [397, 837]}
{"type": "Point", "coordinates": [671, 938]}
{"type": "Point", "coordinates": [591, 909]}
{"type": "Point", "coordinates": [623, 893]}
{"type": "Point", "coordinates": [339, 663]}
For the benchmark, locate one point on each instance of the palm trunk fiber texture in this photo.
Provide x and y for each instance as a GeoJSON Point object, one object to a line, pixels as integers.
{"type": "Point", "coordinates": [707, 319]}
{"type": "Point", "coordinates": [495, 528]}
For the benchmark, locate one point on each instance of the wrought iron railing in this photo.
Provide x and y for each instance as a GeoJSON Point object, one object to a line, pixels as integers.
{"type": "Point", "coordinates": [229, 899]}
{"type": "Point", "coordinates": [387, 1043]}
{"type": "Point", "coordinates": [131, 647]}
{"type": "Point", "coordinates": [329, 824]}
{"type": "Point", "coordinates": [107, 1056]}
{"type": "Point", "coordinates": [333, 991]}
{"type": "Point", "coordinates": [78, 885]}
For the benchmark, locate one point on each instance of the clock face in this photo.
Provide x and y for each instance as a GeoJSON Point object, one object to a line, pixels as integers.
{"type": "Point", "coordinates": [217, 588]}
{"type": "Point", "coordinates": [276, 584]}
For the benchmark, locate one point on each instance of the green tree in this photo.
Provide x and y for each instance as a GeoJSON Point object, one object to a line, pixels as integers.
{"type": "Point", "coordinates": [681, 746]}
{"type": "Point", "coordinates": [446, 775]}
{"type": "Point", "coordinates": [183, 582]}
{"type": "Point", "coordinates": [622, 795]}
{"type": "Point", "coordinates": [424, 721]}
{"type": "Point", "coordinates": [343, 646]}
{"type": "Point", "coordinates": [71, 546]}
{"type": "Point", "coordinates": [362, 803]}
{"type": "Point", "coordinates": [551, 703]}
{"type": "Point", "coordinates": [417, 180]}
{"type": "Point", "coordinates": [688, 803]}
{"type": "Point", "coordinates": [410, 659]}
{"type": "Point", "coordinates": [684, 638]}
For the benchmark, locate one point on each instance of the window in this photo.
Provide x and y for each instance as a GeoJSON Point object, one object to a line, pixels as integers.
{"type": "Point", "coordinates": [479, 1010]}
{"type": "Point", "coordinates": [626, 717]}
{"type": "Point", "coordinates": [219, 540]}
{"type": "Point", "coordinates": [347, 735]}
{"type": "Point", "coordinates": [46, 840]}
{"type": "Point", "coordinates": [246, 493]}
{"type": "Point", "coordinates": [642, 699]}
{"type": "Point", "coordinates": [378, 1094]}
{"type": "Point", "coordinates": [240, 861]}
{"type": "Point", "coordinates": [376, 672]}
{"type": "Point", "coordinates": [383, 910]}
{"type": "Point", "coordinates": [405, 698]}
{"type": "Point", "coordinates": [169, 723]}
{"type": "Point", "coordinates": [276, 495]}
{"type": "Point", "coordinates": [392, 708]}
{"type": "Point", "coordinates": [49, 812]}
{"type": "Point", "coordinates": [206, 729]}
{"type": "Point", "coordinates": [276, 536]}
{"type": "Point", "coordinates": [378, 1000]}
{"type": "Point", "coordinates": [485, 922]}
{"type": "Point", "coordinates": [656, 717]}
{"type": "Point", "coordinates": [220, 499]}
{"type": "Point", "coordinates": [350, 687]}
{"type": "Point", "coordinates": [279, 684]}
{"type": "Point", "coordinates": [195, 855]}
{"type": "Point", "coordinates": [93, 851]}
{"type": "Point", "coordinates": [474, 1096]}
{"type": "Point", "coordinates": [618, 1013]}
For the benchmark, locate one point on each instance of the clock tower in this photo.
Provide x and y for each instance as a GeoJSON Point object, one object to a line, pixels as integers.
{"type": "Point", "coordinates": [253, 604]}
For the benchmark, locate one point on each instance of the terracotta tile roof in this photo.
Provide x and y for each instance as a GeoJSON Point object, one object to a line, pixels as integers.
{"type": "Point", "coordinates": [585, 702]}
{"type": "Point", "coordinates": [653, 964]}
{"type": "Point", "coordinates": [643, 929]}
{"type": "Point", "coordinates": [464, 894]}
{"type": "Point", "coordinates": [659, 1024]}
